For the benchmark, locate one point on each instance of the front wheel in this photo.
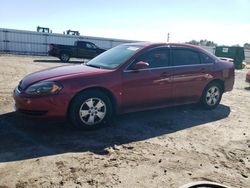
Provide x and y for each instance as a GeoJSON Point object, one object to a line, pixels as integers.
{"type": "Point", "coordinates": [90, 110]}
{"type": "Point", "coordinates": [211, 96]}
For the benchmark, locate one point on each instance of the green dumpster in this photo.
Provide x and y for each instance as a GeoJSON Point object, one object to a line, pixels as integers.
{"type": "Point", "coordinates": [236, 53]}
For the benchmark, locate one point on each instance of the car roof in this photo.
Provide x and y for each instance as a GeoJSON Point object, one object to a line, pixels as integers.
{"type": "Point", "coordinates": [148, 44]}
{"type": "Point", "coordinates": [155, 44]}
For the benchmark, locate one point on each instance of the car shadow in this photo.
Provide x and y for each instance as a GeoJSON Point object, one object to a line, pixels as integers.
{"type": "Point", "coordinates": [247, 88]}
{"type": "Point", "coordinates": [26, 138]}
{"type": "Point", "coordinates": [57, 61]}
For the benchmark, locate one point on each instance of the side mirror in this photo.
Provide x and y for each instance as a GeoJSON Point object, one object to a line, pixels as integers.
{"type": "Point", "coordinates": [140, 65]}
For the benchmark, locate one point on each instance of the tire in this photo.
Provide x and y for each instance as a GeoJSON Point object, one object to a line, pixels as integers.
{"type": "Point", "coordinates": [211, 95]}
{"type": "Point", "coordinates": [90, 110]}
{"type": "Point", "coordinates": [64, 57]}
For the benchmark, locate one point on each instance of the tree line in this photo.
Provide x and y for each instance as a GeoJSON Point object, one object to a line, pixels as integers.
{"type": "Point", "coordinates": [212, 44]}
{"type": "Point", "coordinates": [202, 43]}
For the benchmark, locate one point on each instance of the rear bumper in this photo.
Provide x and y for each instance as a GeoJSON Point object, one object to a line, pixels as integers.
{"type": "Point", "coordinates": [50, 106]}
{"type": "Point", "coordinates": [229, 78]}
{"type": "Point", "coordinates": [229, 84]}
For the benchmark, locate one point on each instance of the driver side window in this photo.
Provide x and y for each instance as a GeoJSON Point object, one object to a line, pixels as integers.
{"type": "Point", "coordinates": [158, 57]}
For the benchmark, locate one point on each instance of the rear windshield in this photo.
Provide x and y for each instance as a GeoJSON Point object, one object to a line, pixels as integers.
{"type": "Point", "coordinates": [114, 57]}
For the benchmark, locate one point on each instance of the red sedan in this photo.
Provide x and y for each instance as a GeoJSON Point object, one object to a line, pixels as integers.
{"type": "Point", "coordinates": [248, 77]}
{"type": "Point", "coordinates": [127, 78]}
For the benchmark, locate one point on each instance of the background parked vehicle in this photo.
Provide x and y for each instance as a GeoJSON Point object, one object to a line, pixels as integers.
{"type": "Point", "coordinates": [248, 77]}
{"type": "Point", "coordinates": [81, 49]}
{"type": "Point", "coordinates": [127, 78]}
{"type": "Point", "coordinates": [231, 53]}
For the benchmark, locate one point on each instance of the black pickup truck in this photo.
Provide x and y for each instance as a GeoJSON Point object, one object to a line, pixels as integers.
{"type": "Point", "coordinates": [81, 49]}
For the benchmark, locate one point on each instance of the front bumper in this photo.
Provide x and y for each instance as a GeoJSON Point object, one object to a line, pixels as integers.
{"type": "Point", "coordinates": [44, 106]}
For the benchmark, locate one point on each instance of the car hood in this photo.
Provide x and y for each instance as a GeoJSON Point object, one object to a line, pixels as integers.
{"type": "Point", "coordinates": [56, 72]}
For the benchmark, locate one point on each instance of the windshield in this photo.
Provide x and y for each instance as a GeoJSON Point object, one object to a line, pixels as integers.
{"type": "Point", "coordinates": [114, 57]}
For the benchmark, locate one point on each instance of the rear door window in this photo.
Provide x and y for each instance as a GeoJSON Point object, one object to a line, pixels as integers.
{"type": "Point", "coordinates": [185, 57]}
{"type": "Point", "coordinates": [206, 59]}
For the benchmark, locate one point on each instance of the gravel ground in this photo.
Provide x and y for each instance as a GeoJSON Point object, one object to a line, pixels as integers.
{"type": "Point", "coordinates": [160, 148]}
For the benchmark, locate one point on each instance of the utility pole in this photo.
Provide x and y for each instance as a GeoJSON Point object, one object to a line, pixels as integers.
{"type": "Point", "coordinates": [168, 37]}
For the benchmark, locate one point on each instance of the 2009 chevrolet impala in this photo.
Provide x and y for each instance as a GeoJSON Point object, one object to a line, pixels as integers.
{"type": "Point", "coordinates": [127, 78]}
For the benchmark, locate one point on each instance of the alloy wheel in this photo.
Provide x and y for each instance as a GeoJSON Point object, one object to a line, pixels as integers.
{"type": "Point", "coordinates": [213, 95]}
{"type": "Point", "coordinates": [92, 111]}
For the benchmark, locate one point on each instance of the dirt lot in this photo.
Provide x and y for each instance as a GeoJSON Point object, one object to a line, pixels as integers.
{"type": "Point", "coordinates": [160, 148]}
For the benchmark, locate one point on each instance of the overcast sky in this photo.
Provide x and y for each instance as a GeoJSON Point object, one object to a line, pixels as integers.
{"type": "Point", "coordinates": [222, 21]}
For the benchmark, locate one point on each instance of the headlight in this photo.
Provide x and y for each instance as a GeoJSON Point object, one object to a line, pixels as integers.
{"type": "Point", "coordinates": [44, 88]}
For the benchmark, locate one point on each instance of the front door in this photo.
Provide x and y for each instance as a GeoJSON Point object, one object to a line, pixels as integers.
{"type": "Point", "coordinates": [151, 87]}
{"type": "Point", "coordinates": [87, 51]}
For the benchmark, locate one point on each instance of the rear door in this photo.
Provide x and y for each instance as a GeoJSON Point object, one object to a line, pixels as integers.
{"type": "Point", "coordinates": [149, 87]}
{"type": "Point", "coordinates": [190, 74]}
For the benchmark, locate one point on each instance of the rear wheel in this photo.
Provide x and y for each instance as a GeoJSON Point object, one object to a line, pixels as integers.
{"type": "Point", "coordinates": [211, 96]}
{"type": "Point", "coordinates": [64, 57]}
{"type": "Point", "coordinates": [90, 110]}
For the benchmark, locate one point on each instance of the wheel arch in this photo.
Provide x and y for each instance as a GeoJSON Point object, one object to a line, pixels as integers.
{"type": "Point", "coordinates": [66, 52]}
{"type": "Point", "coordinates": [107, 92]}
{"type": "Point", "coordinates": [219, 81]}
